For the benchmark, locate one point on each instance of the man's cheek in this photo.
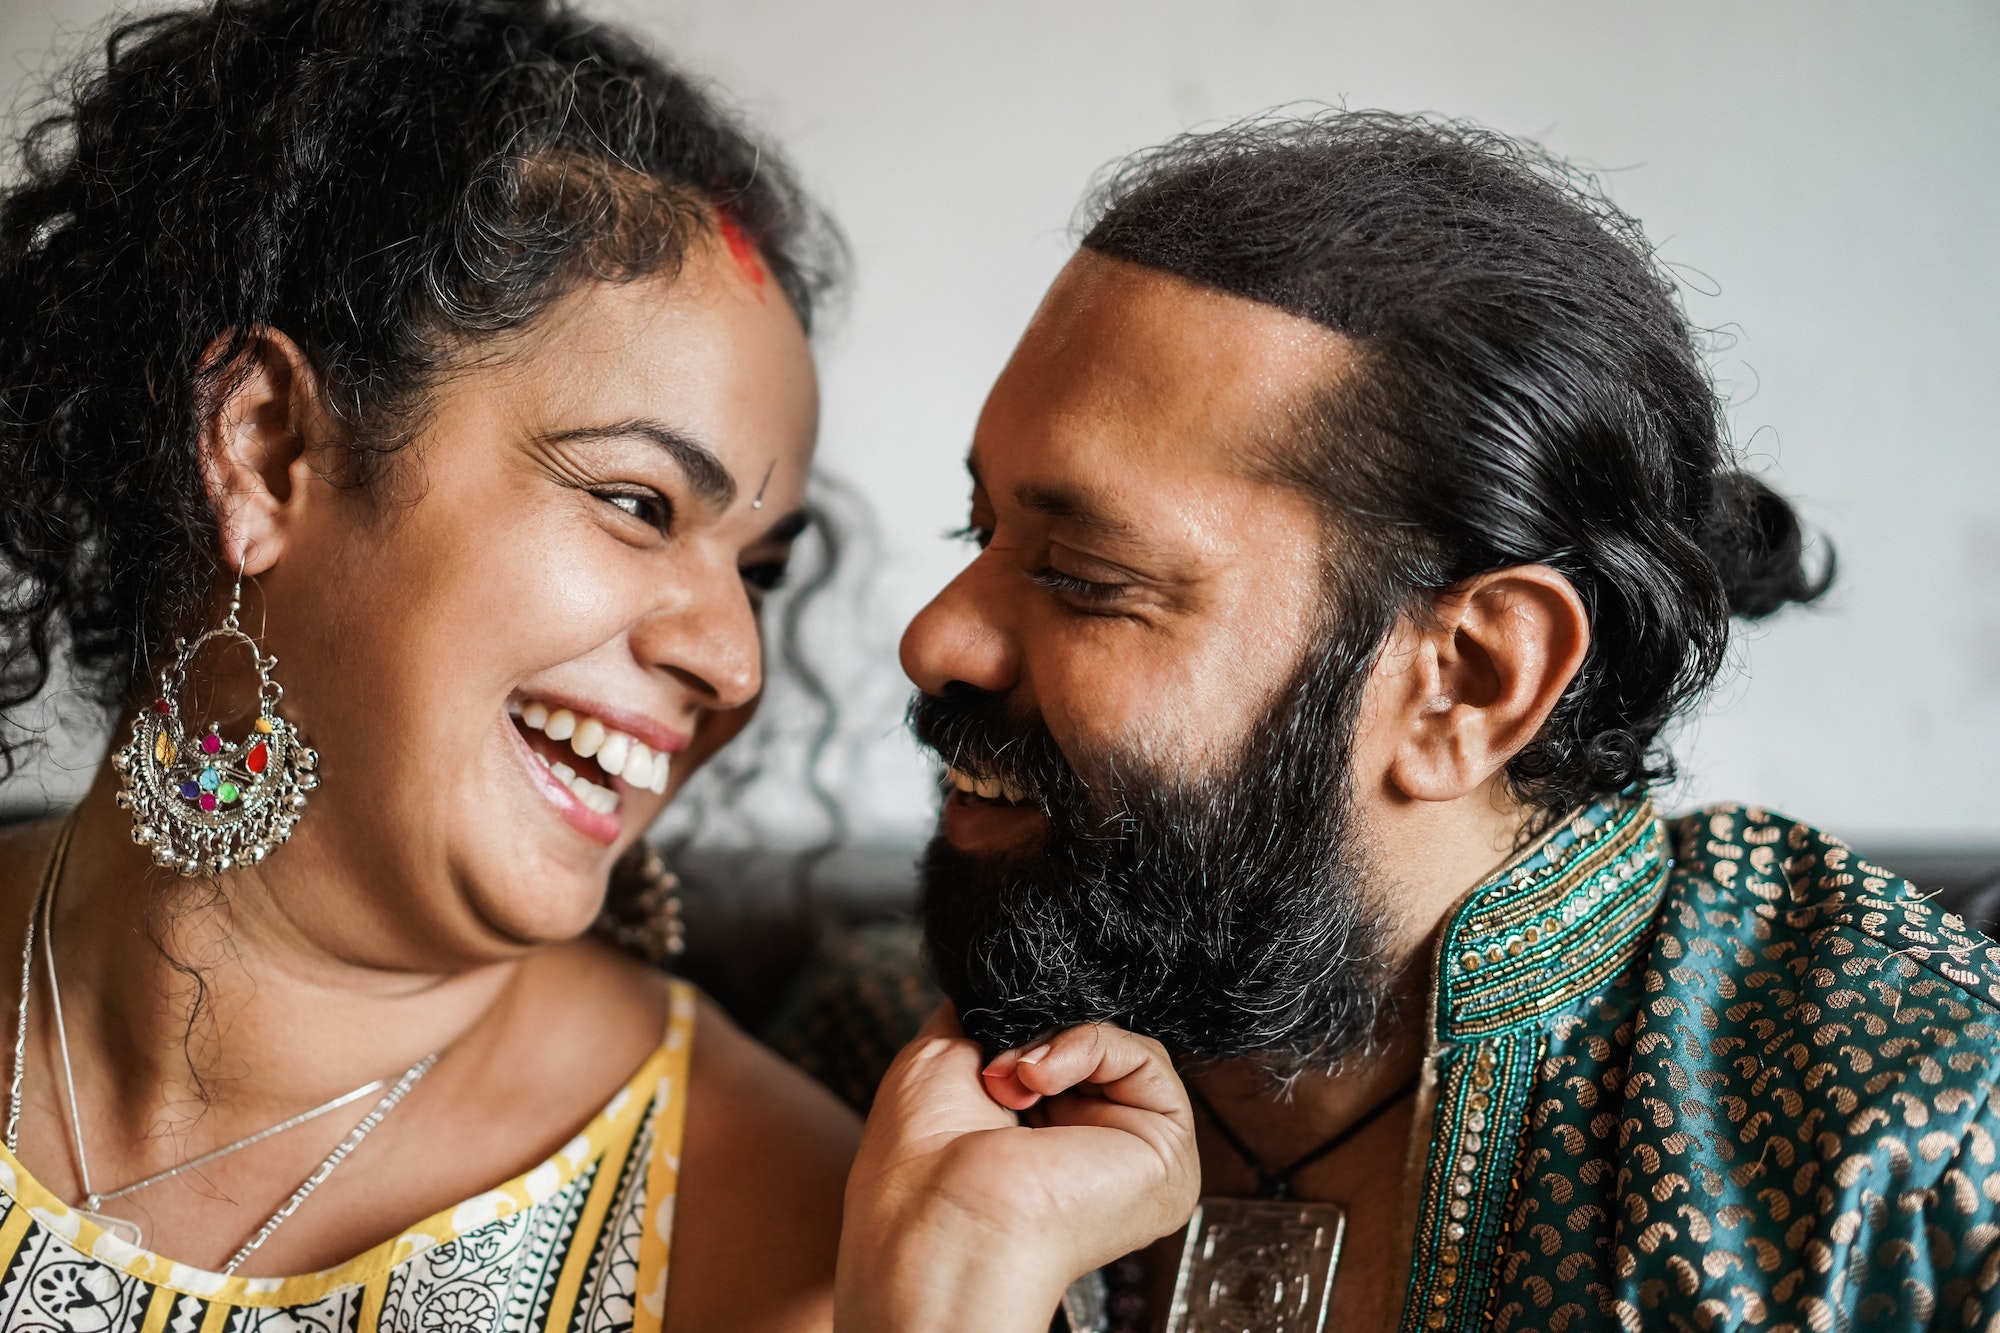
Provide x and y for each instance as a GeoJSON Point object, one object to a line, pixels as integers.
{"type": "Point", "coordinates": [1170, 734]}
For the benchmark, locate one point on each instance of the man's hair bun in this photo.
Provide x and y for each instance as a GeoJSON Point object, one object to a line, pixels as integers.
{"type": "Point", "coordinates": [1754, 536]}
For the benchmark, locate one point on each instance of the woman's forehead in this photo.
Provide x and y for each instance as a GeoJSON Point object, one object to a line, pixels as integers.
{"type": "Point", "coordinates": [697, 350]}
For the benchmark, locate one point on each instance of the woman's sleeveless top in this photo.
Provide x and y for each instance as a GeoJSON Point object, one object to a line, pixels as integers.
{"type": "Point", "coordinates": [579, 1243]}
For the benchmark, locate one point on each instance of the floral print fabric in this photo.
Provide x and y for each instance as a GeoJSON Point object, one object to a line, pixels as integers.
{"type": "Point", "coordinates": [580, 1244]}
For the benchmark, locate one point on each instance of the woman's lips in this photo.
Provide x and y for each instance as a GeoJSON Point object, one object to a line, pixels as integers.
{"type": "Point", "coordinates": [588, 736]}
{"type": "Point", "coordinates": [602, 825]}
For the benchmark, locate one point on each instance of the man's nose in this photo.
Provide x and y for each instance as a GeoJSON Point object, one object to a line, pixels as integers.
{"type": "Point", "coordinates": [961, 636]}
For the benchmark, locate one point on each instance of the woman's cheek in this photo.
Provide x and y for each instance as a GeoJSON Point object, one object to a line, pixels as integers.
{"type": "Point", "coordinates": [711, 733]}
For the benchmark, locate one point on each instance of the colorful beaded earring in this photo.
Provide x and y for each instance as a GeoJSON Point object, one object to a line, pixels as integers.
{"type": "Point", "coordinates": [205, 805]}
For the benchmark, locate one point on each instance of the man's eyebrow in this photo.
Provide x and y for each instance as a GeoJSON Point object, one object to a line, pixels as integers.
{"type": "Point", "coordinates": [705, 472]}
{"type": "Point", "coordinates": [1072, 505]}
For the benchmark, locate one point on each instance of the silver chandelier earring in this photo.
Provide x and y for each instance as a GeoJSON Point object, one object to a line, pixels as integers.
{"type": "Point", "coordinates": [203, 804]}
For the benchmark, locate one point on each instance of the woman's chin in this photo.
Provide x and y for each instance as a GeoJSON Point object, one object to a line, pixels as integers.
{"type": "Point", "coordinates": [527, 910]}
{"type": "Point", "coordinates": [531, 880]}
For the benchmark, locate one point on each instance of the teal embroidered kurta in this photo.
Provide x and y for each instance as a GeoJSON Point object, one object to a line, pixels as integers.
{"type": "Point", "coordinates": [1709, 1073]}
{"type": "Point", "coordinates": [1704, 1073]}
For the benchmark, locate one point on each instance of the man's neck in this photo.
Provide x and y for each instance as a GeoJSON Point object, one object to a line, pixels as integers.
{"type": "Point", "coordinates": [1424, 857]}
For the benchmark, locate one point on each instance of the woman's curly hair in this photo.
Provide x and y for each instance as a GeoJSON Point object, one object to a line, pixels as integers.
{"type": "Point", "coordinates": [1525, 389]}
{"type": "Point", "coordinates": [384, 181]}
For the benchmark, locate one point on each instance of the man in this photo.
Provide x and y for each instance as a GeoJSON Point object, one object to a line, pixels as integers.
{"type": "Point", "coordinates": [1354, 515]}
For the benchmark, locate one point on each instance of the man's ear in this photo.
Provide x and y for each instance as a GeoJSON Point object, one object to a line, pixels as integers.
{"type": "Point", "coordinates": [257, 446]}
{"type": "Point", "coordinates": [1482, 675]}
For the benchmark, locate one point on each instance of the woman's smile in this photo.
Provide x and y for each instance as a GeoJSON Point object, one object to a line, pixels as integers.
{"type": "Point", "coordinates": [587, 760]}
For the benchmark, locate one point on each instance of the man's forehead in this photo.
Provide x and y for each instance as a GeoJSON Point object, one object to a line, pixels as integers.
{"type": "Point", "coordinates": [1128, 372]}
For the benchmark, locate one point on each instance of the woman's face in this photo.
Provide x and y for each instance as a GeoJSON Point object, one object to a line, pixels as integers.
{"type": "Point", "coordinates": [512, 653]}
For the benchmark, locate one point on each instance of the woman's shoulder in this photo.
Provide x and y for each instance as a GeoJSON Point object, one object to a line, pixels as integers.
{"type": "Point", "coordinates": [763, 1168]}
{"type": "Point", "coordinates": [760, 1157]}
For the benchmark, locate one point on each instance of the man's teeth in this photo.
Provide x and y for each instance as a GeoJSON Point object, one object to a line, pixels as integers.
{"type": "Point", "coordinates": [992, 789]}
{"type": "Point", "coordinates": [616, 753]}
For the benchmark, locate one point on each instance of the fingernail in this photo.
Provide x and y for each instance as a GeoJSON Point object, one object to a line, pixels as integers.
{"type": "Point", "coordinates": [1034, 1057]}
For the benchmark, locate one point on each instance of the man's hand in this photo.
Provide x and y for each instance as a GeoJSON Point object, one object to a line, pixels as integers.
{"type": "Point", "coordinates": [961, 1217]}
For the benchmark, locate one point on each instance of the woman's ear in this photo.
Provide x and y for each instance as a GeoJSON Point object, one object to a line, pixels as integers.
{"type": "Point", "coordinates": [257, 446]}
{"type": "Point", "coordinates": [1484, 673]}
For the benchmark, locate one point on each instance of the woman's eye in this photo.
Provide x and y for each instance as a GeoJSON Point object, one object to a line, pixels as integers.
{"type": "Point", "coordinates": [649, 507]}
{"type": "Point", "coordinates": [1081, 590]}
{"type": "Point", "coordinates": [765, 578]}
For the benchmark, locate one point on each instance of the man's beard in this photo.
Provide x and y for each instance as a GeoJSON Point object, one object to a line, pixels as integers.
{"type": "Point", "coordinates": [1222, 915]}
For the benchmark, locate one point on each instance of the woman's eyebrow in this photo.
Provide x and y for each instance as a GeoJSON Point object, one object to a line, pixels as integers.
{"type": "Point", "coordinates": [705, 472]}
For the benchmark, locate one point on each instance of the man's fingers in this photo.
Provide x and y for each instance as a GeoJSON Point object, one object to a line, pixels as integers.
{"type": "Point", "coordinates": [1009, 1091]}
{"type": "Point", "coordinates": [1001, 1082]}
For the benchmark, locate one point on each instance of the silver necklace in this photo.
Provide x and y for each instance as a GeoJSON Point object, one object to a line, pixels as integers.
{"type": "Point", "coordinates": [93, 1200]}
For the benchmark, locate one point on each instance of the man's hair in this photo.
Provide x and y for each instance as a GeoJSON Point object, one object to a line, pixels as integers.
{"type": "Point", "coordinates": [1525, 390]}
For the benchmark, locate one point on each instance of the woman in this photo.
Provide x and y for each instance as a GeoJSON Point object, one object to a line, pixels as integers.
{"type": "Point", "coordinates": [466, 346]}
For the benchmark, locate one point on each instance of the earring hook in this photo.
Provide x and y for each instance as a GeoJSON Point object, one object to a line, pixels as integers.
{"type": "Point", "coordinates": [235, 598]}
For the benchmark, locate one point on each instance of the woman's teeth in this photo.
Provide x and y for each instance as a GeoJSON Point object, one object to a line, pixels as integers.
{"type": "Point", "coordinates": [991, 789]}
{"type": "Point", "coordinates": [618, 754]}
{"type": "Point", "coordinates": [601, 799]}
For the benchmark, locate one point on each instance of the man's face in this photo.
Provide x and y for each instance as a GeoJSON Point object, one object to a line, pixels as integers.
{"type": "Point", "coordinates": [1139, 674]}
{"type": "Point", "coordinates": [1141, 588]}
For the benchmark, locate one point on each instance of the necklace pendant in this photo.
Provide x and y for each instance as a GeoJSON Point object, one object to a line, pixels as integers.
{"type": "Point", "coordinates": [125, 1230]}
{"type": "Point", "coordinates": [1257, 1266]}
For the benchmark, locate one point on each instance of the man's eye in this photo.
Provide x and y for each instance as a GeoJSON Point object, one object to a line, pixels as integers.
{"type": "Point", "coordinates": [649, 507]}
{"type": "Point", "coordinates": [1082, 590]}
{"type": "Point", "coordinates": [979, 536]}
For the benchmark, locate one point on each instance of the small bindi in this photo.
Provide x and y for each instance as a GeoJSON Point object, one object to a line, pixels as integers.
{"type": "Point", "coordinates": [757, 501]}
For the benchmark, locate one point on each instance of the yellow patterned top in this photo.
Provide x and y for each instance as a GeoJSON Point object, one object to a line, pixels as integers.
{"type": "Point", "coordinates": [579, 1243]}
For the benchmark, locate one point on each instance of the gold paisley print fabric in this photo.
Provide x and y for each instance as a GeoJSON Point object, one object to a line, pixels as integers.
{"type": "Point", "coordinates": [1770, 1106]}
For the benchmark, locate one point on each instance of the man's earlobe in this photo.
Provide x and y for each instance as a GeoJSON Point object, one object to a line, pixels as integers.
{"type": "Point", "coordinates": [1486, 669]}
{"type": "Point", "coordinates": [256, 446]}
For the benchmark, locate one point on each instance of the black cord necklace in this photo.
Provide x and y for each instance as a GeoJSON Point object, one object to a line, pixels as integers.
{"type": "Point", "coordinates": [1278, 1184]}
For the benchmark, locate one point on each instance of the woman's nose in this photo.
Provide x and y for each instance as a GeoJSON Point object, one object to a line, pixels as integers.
{"type": "Point", "coordinates": [962, 636]}
{"type": "Point", "coordinates": [710, 639]}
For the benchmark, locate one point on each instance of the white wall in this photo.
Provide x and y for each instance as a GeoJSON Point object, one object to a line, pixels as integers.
{"type": "Point", "coordinates": [1823, 173]}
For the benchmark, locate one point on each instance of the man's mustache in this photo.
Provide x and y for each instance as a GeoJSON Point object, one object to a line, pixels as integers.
{"type": "Point", "coordinates": [985, 735]}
